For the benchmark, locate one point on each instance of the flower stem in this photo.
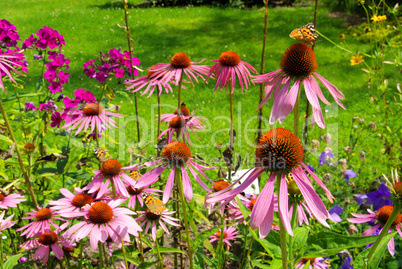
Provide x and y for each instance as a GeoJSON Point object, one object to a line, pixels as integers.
{"type": "Point", "coordinates": [61, 264]}
{"type": "Point", "coordinates": [124, 252]}
{"type": "Point", "coordinates": [282, 231]}
{"type": "Point", "coordinates": [248, 251]}
{"type": "Point", "coordinates": [231, 139]}
{"type": "Point", "coordinates": [159, 116]}
{"type": "Point", "coordinates": [1, 251]}
{"type": "Point", "coordinates": [179, 183]}
{"type": "Point", "coordinates": [132, 66]}
{"type": "Point", "coordinates": [159, 254]}
{"type": "Point", "coordinates": [296, 114]}
{"type": "Point", "coordinates": [221, 240]}
{"type": "Point", "coordinates": [81, 256]}
{"type": "Point", "coordinates": [24, 172]}
{"type": "Point", "coordinates": [100, 265]}
{"type": "Point", "coordinates": [293, 223]}
{"type": "Point", "coordinates": [140, 238]}
{"type": "Point", "coordinates": [392, 217]}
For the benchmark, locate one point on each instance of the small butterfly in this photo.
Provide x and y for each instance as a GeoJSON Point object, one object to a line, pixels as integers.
{"type": "Point", "coordinates": [154, 204]}
{"type": "Point", "coordinates": [135, 175]}
{"type": "Point", "coordinates": [305, 34]}
{"type": "Point", "coordinates": [101, 154]}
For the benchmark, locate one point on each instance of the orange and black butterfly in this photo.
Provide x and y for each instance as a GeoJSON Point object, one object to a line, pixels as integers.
{"type": "Point", "coordinates": [135, 175]}
{"type": "Point", "coordinates": [154, 204]}
{"type": "Point", "coordinates": [101, 154]}
{"type": "Point", "coordinates": [305, 34]}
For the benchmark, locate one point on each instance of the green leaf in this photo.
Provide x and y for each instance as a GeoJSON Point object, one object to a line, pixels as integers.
{"type": "Point", "coordinates": [204, 235]}
{"type": "Point", "coordinates": [271, 243]}
{"type": "Point", "coordinates": [200, 256]}
{"type": "Point", "coordinates": [361, 259]}
{"type": "Point", "coordinates": [327, 243]}
{"type": "Point", "coordinates": [6, 139]}
{"type": "Point", "coordinates": [119, 253]}
{"type": "Point", "coordinates": [12, 261]}
{"type": "Point", "coordinates": [146, 265]}
{"type": "Point", "coordinates": [244, 210]}
{"type": "Point", "coordinates": [256, 263]}
{"type": "Point", "coordinates": [25, 265]}
{"type": "Point", "coordinates": [209, 246]}
{"type": "Point", "coordinates": [300, 235]}
{"type": "Point", "coordinates": [168, 250]}
{"type": "Point", "coordinates": [198, 212]}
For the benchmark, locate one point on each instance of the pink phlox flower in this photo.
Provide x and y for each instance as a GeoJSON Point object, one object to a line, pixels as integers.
{"type": "Point", "coordinates": [56, 119]}
{"type": "Point", "coordinates": [44, 218]}
{"type": "Point", "coordinates": [103, 220]}
{"type": "Point", "coordinates": [11, 61]}
{"type": "Point", "coordinates": [315, 263]}
{"type": "Point", "coordinates": [229, 233]}
{"type": "Point", "coordinates": [152, 219]}
{"type": "Point", "coordinates": [227, 68]}
{"type": "Point", "coordinates": [284, 98]}
{"type": "Point", "coordinates": [12, 200]}
{"type": "Point", "coordinates": [8, 34]}
{"type": "Point", "coordinates": [46, 241]}
{"type": "Point", "coordinates": [6, 223]}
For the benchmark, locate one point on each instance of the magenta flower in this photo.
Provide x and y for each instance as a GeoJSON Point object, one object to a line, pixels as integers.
{"type": "Point", "coordinates": [137, 193]}
{"type": "Point", "coordinates": [10, 61]}
{"type": "Point", "coordinates": [12, 200]}
{"type": "Point", "coordinates": [174, 155]}
{"type": "Point", "coordinates": [229, 233]}
{"type": "Point", "coordinates": [45, 242]}
{"type": "Point", "coordinates": [103, 220]}
{"type": "Point", "coordinates": [315, 263]}
{"type": "Point", "coordinates": [44, 218]}
{"type": "Point", "coordinates": [111, 170]}
{"type": "Point", "coordinates": [379, 219]}
{"type": "Point", "coordinates": [227, 68]}
{"type": "Point", "coordinates": [152, 219]}
{"type": "Point", "coordinates": [49, 38]}
{"type": "Point", "coordinates": [30, 106]}
{"type": "Point", "coordinates": [8, 34]}
{"type": "Point", "coordinates": [56, 119]}
{"type": "Point", "coordinates": [92, 114]}
{"type": "Point", "coordinates": [48, 107]}
{"type": "Point", "coordinates": [234, 209]}
{"type": "Point", "coordinates": [298, 64]}
{"type": "Point", "coordinates": [278, 151]}
{"type": "Point", "coordinates": [6, 223]}
{"type": "Point", "coordinates": [180, 65]}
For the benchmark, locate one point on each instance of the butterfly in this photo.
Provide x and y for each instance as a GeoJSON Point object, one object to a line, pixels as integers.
{"type": "Point", "coordinates": [305, 34]}
{"type": "Point", "coordinates": [101, 154]}
{"type": "Point", "coordinates": [135, 175]}
{"type": "Point", "coordinates": [154, 204]}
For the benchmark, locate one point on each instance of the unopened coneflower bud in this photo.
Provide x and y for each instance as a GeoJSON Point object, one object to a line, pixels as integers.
{"type": "Point", "coordinates": [347, 149]}
{"type": "Point", "coordinates": [383, 151]}
{"type": "Point", "coordinates": [361, 121]}
{"type": "Point", "coordinates": [356, 118]}
{"type": "Point", "coordinates": [327, 138]}
{"type": "Point", "coordinates": [328, 149]}
{"type": "Point", "coordinates": [29, 147]}
{"type": "Point", "coordinates": [344, 164]}
{"type": "Point", "coordinates": [373, 126]}
{"type": "Point", "coordinates": [362, 155]}
{"type": "Point", "coordinates": [352, 229]}
{"type": "Point", "coordinates": [326, 178]}
{"type": "Point", "coordinates": [315, 143]}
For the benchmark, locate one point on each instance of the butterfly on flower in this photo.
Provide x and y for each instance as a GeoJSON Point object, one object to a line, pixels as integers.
{"type": "Point", "coordinates": [154, 205]}
{"type": "Point", "coordinates": [101, 154]}
{"type": "Point", "coordinates": [135, 175]}
{"type": "Point", "coordinates": [305, 34]}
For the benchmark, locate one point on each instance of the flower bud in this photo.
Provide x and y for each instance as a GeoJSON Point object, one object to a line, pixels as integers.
{"type": "Point", "coordinates": [352, 229]}
{"type": "Point", "coordinates": [362, 155]}
{"type": "Point", "coordinates": [373, 126]}
{"type": "Point", "coordinates": [326, 178]}
{"type": "Point", "coordinates": [327, 138]}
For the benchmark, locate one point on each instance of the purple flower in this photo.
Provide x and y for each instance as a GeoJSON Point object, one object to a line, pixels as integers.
{"type": "Point", "coordinates": [360, 198]}
{"type": "Point", "coordinates": [349, 174]}
{"type": "Point", "coordinates": [29, 43]}
{"type": "Point", "coordinates": [30, 106]}
{"type": "Point", "coordinates": [85, 95]}
{"type": "Point", "coordinates": [37, 57]}
{"type": "Point", "coordinates": [346, 264]}
{"type": "Point", "coordinates": [326, 157]}
{"type": "Point", "coordinates": [379, 198]}
{"type": "Point", "coordinates": [335, 213]}
{"type": "Point", "coordinates": [49, 107]}
{"type": "Point", "coordinates": [61, 96]}
{"type": "Point", "coordinates": [56, 119]}
{"type": "Point", "coordinates": [22, 259]}
{"type": "Point", "coordinates": [8, 34]}
{"type": "Point", "coordinates": [49, 38]}
{"type": "Point", "coordinates": [92, 135]}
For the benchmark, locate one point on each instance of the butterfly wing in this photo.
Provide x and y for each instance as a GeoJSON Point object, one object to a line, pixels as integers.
{"type": "Point", "coordinates": [154, 205]}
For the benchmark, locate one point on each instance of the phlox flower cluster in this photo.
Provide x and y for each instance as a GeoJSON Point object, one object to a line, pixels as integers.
{"type": "Point", "coordinates": [8, 34]}
{"type": "Point", "coordinates": [54, 75]}
{"type": "Point", "coordinates": [45, 38]}
{"type": "Point", "coordinates": [112, 63]}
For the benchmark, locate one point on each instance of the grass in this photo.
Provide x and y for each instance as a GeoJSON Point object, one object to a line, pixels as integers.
{"type": "Point", "coordinates": [202, 32]}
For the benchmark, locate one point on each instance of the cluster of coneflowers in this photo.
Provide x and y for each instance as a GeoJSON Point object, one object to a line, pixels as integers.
{"type": "Point", "coordinates": [97, 208]}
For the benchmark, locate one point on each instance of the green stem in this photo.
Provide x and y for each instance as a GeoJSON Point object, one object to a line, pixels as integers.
{"type": "Point", "coordinates": [243, 257]}
{"type": "Point", "coordinates": [183, 202]}
{"type": "Point", "coordinates": [342, 48]}
{"type": "Point", "coordinates": [282, 232]}
{"type": "Point", "coordinates": [394, 214]}
{"type": "Point", "coordinates": [293, 224]}
{"type": "Point", "coordinates": [81, 256]}
{"type": "Point", "coordinates": [159, 116]}
{"type": "Point", "coordinates": [231, 139]}
{"type": "Point", "coordinates": [61, 264]}
{"type": "Point", "coordinates": [221, 241]}
{"type": "Point", "coordinates": [140, 239]}
{"type": "Point", "coordinates": [100, 265]}
{"type": "Point", "coordinates": [249, 249]}
{"type": "Point", "coordinates": [124, 252]}
{"type": "Point", "coordinates": [1, 252]}
{"type": "Point", "coordinates": [159, 254]}
{"type": "Point", "coordinates": [179, 96]}
{"type": "Point", "coordinates": [296, 113]}
{"type": "Point", "coordinates": [21, 163]}
{"type": "Point", "coordinates": [104, 249]}
{"type": "Point", "coordinates": [19, 105]}
{"type": "Point", "coordinates": [49, 261]}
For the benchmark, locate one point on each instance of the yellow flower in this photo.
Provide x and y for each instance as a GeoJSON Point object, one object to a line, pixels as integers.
{"type": "Point", "coordinates": [356, 59]}
{"type": "Point", "coordinates": [380, 18]}
{"type": "Point", "coordinates": [342, 36]}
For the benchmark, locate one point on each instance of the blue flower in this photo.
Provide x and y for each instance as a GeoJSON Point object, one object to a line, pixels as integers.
{"type": "Point", "coordinates": [360, 198]}
{"type": "Point", "coordinates": [335, 212]}
{"type": "Point", "coordinates": [349, 174]}
{"type": "Point", "coordinates": [379, 198]}
{"type": "Point", "coordinates": [325, 157]}
{"type": "Point", "coordinates": [346, 264]}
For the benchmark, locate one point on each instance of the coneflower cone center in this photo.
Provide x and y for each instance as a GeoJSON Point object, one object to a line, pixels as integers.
{"type": "Point", "coordinates": [299, 61]}
{"type": "Point", "coordinates": [252, 203]}
{"type": "Point", "coordinates": [2, 197]}
{"type": "Point", "coordinates": [111, 168]}
{"type": "Point", "coordinates": [220, 185]}
{"type": "Point", "coordinates": [100, 213]}
{"type": "Point", "coordinates": [218, 234]}
{"type": "Point", "coordinates": [383, 214]}
{"type": "Point", "coordinates": [92, 109]}
{"type": "Point", "coordinates": [134, 191]}
{"type": "Point", "coordinates": [151, 216]}
{"type": "Point", "coordinates": [183, 109]}
{"type": "Point", "coordinates": [68, 250]}
{"type": "Point", "coordinates": [48, 238]}
{"type": "Point", "coordinates": [279, 150]}
{"type": "Point", "coordinates": [305, 260]}
{"type": "Point", "coordinates": [176, 153]}
{"type": "Point", "coordinates": [29, 147]}
{"type": "Point", "coordinates": [177, 122]}
{"type": "Point", "coordinates": [150, 72]}
{"type": "Point", "coordinates": [398, 187]}
{"type": "Point", "coordinates": [229, 58]}
{"type": "Point", "coordinates": [43, 214]}
{"type": "Point", "coordinates": [180, 60]}
{"type": "Point", "coordinates": [82, 199]}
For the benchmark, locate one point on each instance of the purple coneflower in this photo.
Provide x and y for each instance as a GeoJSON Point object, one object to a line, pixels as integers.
{"type": "Point", "coordinates": [43, 220]}
{"type": "Point", "coordinates": [175, 155]}
{"type": "Point", "coordinates": [227, 68]}
{"type": "Point", "coordinates": [379, 219]}
{"type": "Point", "coordinates": [44, 242]}
{"type": "Point", "coordinates": [315, 263]}
{"type": "Point", "coordinates": [180, 125]}
{"type": "Point", "coordinates": [11, 200]}
{"type": "Point", "coordinates": [179, 64]}
{"type": "Point", "coordinates": [137, 193]}
{"type": "Point", "coordinates": [105, 220]}
{"type": "Point", "coordinates": [229, 233]}
{"type": "Point", "coordinates": [278, 151]}
{"type": "Point", "coordinates": [298, 64]}
{"type": "Point", "coordinates": [10, 61]}
{"type": "Point", "coordinates": [92, 114]}
{"type": "Point", "coordinates": [151, 219]}
{"type": "Point", "coordinates": [6, 223]}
